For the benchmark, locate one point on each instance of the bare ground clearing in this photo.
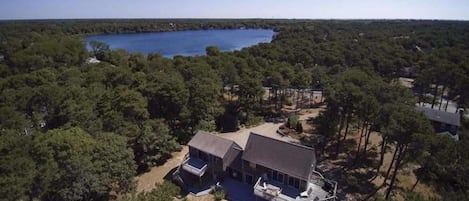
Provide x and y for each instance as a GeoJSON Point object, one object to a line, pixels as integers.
{"type": "Point", "coordinates": [146, 181]}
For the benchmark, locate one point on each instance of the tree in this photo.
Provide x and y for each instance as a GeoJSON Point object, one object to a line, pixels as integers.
{"type": "Point", "coordinates": [123, 110]}
{"type": "Point", "coordinates": [72, 165]}
{"type": "Point", "coordinates": [408, 129]}
{"type": "Point", "coordinates": [163, 192]}
{"type": "Point", "coordinates": [99, 49]}
{"type": "Point", "coordinates": [343, 97]}
{"type": "Point", "coordinates": [113, 161]}
{"type": "Point", "coordinates": [391, 98]}
{"type": "Point", "coordinates": [64, 160]}
{"type": "Point", "coordinates": [204, 93]}
{"type": "Point", "coordinates": [17, 168]}
{"type": "Point", "coordinates": [168, 96]}
{"type": "Point", "coordinates": [249, 93]}
{"type": "Point", "coordinates": [292, 121]}
{"type": "Point", "coordinates": [212, 51]}
{"type": "Point", "coordinates": [154, 145]}
{"type": "Point", "coordinates": [438, 159]}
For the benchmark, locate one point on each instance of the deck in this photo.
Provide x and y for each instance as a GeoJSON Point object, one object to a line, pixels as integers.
{"type": "Point", "coordinates": [195, 166]}
{"type": "Point", "coordinates": [318, 188]}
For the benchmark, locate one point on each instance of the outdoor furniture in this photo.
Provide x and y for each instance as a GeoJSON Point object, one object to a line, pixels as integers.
{"type": "Point", "coordinates": [272, 190]}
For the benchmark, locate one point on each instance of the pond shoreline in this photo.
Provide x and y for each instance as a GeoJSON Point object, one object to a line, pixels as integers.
{"type": "Point", "coordinates": [184, 43]}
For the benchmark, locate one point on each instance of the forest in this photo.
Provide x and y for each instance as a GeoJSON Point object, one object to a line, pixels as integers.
{"type": "Point", "coordinates": [71, 130]}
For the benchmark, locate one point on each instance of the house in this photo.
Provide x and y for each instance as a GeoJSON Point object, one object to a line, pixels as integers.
{"type": "Point", "coordinates": [443, 122]}
{"type": "Point", "coordinates": [92, 60]}
{"type": "Point", "coordinates": [409, 72]}
{"type": "Point", "coordinates": [213, 155]}
{"type": "Point", "coordinates": [277, 170]}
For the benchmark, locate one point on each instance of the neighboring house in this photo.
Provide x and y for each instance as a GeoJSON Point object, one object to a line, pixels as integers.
{"type": "Point", "coordinates": [409, 72]}
{"type": "Point", "coordinates": [276, 169]}
{"type": "Point", "coordinates": [92, 60]}
{"type": "Point", "coordinates": [443, 122]}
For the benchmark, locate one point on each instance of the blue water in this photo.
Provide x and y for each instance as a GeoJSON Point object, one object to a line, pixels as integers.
{"type": "Point", "coordinates": [186, 43]}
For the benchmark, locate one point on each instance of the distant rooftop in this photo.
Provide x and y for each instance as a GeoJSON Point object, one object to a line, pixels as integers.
{"type": "Point", "coordinates": [441, 116]}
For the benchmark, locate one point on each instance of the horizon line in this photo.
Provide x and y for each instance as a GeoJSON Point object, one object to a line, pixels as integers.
{"type": "Point", "coordinates": [228, 18]}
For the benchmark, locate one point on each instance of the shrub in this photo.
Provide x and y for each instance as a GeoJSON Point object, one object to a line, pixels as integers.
{"type": "Point", "coordinates": [292, 121]}
{"type": "Point", "coordinates": [219, 194]}
{"type": "Point", "coordinates": [253, 121]}
{"type": "Point", "coordinates": [163, 192]}
{"type": "Point", "coordinates": [299, 127]}
{"type": "Point", "coordinates": [288, 102]}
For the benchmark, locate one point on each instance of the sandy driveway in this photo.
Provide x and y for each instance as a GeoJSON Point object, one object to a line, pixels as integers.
{"type": "Point", "coordinates": [146, 181]}
{"type": "Point", "coordinates": [266, 129]}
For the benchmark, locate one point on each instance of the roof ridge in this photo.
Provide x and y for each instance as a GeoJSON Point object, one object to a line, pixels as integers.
{"type": "Point", "coordinates": [286, 142]}
{"type": "Point", "coordinates": [219, 137]}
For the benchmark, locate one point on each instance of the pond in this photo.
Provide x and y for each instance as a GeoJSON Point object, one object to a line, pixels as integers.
{"type": "Point", "coordinates": [186, 43]}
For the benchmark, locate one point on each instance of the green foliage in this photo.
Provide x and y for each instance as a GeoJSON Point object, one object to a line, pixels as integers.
{"type": "Point", "coordinates": [148, 101]}
{"type": "Point", "coordinates": [114, 162]}
{"type": "Point", "coordinates": [299, 127]}
{"type": "Point", "coordinates": [168, 96]}
{"type": "Point", "coordinates": [65, 164]}
{"type": "Point", "coordinates": [165, 191]}
{"type": "Point", "coordinates": [219, 194]}
{"type": "Point", "coordinates": [99, 49]}
{"type": "Point", "coordinates": [411, 196]}
{"type": "Point", "coordinates": [206, 125]}
{"type": "Point", "coordinates": [253, 121]}
{"type": "Point", "coordinates": [154, 144]}
{"type": "Point", "coordinates": [288, 101]}
{"type": "Point", "coordinates": [293, 121]}
{"type": "Point", "coordinates": [17, 168]}
{"type": "Point", "coordinates": [212, 51]}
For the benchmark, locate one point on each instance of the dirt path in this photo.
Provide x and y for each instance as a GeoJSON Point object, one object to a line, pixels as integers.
{"type": "Point", "coordinates": [146, 181]}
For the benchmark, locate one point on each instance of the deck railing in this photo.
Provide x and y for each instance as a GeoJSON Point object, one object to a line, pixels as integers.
{"type": "Point", "coordinates": [268, 194]}
{"type": "Point", "coordinates": [333, 193]}
{"type": "Point", "coordinates": [194, 170]}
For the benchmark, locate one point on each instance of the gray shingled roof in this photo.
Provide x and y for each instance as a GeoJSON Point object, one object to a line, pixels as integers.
{"type": "Point", "coordinates": [293, 159]}
{"type": "Point", "coordinates": [211, 144]}
{"type": "Point", "coordinates": [233, 157]}
{"type": "Point", "coordinates": [440, 116]}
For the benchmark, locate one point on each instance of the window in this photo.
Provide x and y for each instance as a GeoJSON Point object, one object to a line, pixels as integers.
{"type": "Point", "coordinates": [248, 179]}
{"type": "Point", "coordinates": [280, 177]}
{"type": "Point", "coordinates": [302, 185]}
{"type": "Point", "coordinates": [193, 152]}
{"type": "Point", "coordinates": [203, 156]}
{"type": "Point", "coordinates": [277, 176]}
{"type": "Point", "coordinates": [294, 182]}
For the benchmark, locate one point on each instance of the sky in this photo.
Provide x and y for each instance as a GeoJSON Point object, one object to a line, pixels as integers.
{"type": "Point", "coordinates": [298, 9]}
